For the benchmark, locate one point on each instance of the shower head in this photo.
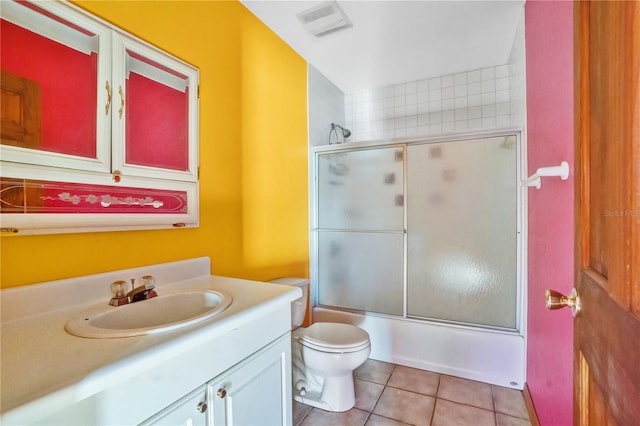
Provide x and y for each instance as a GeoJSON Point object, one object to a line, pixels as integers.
{"type": "Point", "coordinates": [345, 132]}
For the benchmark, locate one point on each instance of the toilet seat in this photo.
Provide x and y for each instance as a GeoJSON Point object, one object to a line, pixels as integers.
{"type": "Point", "coordinates": [333, 337]}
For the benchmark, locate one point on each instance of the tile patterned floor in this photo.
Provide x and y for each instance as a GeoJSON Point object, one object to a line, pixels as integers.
{"type": "Point", "coordinates": [389, 395]}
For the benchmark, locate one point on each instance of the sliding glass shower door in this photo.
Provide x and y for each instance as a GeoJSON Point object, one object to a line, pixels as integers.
{"type": "Point", "coordinates": [462, 233]}
{"type": "Point", "coordinates": [457, 262]}
{"type": "Point", "coordinates": [360, 232]}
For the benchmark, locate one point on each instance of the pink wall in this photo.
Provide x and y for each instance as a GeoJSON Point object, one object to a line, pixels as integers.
{"type": "Point", "coordinates": [549, 47]}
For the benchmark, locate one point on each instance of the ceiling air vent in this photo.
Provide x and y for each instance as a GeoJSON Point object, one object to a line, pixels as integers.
{"type": "Point", "coordinates": [324, 18]}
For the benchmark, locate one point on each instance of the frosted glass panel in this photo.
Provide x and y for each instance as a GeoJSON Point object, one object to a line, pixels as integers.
{"type": "Point", "coordinates": [462, 231]}
{"type": "Point", "coordinates": [362, 271]}
{"type": "Point", "coordinates": [361, 190]}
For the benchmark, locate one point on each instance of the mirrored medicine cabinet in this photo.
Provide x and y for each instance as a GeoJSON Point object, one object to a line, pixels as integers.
{"type": "Point", "coordinates": [99, 129]}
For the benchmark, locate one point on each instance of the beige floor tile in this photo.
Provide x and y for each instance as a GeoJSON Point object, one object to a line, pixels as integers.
{"type": "Point", "coordinates": [466, 392]}
{"type": "Point", "coordinates": [509, 401]}
{"type": "Point", "coordinates": [299, 411]}
{"type": "Point", "coordinates": [414, 380]}
{"type": "Point", "coordinates": [367, 394]}
{"type": "Point", "coordinates": [374, 371]}
{"type": "Point", "coordinates": [449, 413]}
{"type": "Point", "coordinates": [405, 406]}
{"type": "Point", "coordinates": [504, 420]}
{"type": "Point", "coordinates": [375, 420]}
{"type": "Point", "coordinates": [318, 417]}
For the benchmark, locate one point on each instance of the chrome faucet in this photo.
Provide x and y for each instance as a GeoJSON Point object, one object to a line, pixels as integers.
{"type": "Point", "coordinates": [144, 291]}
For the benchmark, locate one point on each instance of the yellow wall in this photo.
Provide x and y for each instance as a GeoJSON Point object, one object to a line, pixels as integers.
{"type": "Point", "coordinates": [253, 154]}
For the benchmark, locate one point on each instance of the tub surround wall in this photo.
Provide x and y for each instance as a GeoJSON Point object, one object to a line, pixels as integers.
{"type": "Point", "coordinates": [326, 106]}
{"type": "Point", "coordinates": [477, 99]}
{"type": "Point", "coordinates": [517, 77]}
{"type": "Point", "coordinates": [549, 43]}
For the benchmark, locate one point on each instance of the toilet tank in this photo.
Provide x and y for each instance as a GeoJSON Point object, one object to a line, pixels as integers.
{"type": "Point", "coordinates": [298, 306]}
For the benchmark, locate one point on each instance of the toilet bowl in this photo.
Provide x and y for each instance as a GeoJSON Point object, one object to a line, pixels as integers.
{"type": "Point", "coordinates": [324, 356]}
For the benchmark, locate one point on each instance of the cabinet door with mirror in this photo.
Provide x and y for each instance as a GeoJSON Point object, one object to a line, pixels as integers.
{"type": "Point", "coordinates": [56, 74]}
{"type": "Point", "coordinates": [98, 127]}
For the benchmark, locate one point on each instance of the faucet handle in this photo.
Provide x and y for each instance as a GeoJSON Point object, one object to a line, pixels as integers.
{"type": "Point", "coordinates": [119, 293]}
{"type": "Point", "coordinates": [148, 282]}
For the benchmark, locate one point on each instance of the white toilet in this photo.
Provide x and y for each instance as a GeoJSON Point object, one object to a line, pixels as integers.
{"type": "Point", "coordinates": [324, 356]}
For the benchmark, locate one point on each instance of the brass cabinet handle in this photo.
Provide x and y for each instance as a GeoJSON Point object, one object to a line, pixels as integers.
{"type": "Point", "coordinates": [557, 300]}
{"type": "Point", "coordinates": [108, 105]}
{"type": "Point", "coordinates": [121, 101]}
{"type": "Point", "coordinates": [202, 407]}
{"type": "Point", "coordinates": [222, 393]}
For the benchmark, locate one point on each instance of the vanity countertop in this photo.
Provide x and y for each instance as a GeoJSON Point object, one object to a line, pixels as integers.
{"type": "Point", "coordinates": [44, 369]}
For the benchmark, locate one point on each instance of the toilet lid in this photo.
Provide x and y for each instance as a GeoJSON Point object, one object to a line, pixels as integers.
{"type": "Point", "coordinates": [329, 336]}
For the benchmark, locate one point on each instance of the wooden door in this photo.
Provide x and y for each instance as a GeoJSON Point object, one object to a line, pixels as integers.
{"type": "Point", "coordinates": [607, 107]}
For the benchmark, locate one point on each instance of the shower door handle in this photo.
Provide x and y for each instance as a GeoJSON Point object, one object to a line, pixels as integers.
{"type": "Point", "coordinates": [557, 300]}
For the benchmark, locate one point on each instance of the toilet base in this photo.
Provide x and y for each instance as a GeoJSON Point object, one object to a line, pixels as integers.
{"type": "Point", "coordinates": [338, 394]}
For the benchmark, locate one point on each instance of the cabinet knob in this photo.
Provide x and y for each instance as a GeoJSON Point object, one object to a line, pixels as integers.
{"type": "Point", "coordinates": [202, 407]}
{"type": "Point", "coordinates": [222, 392]}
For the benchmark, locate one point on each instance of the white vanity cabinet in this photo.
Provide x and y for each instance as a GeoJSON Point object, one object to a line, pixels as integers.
{"type": "Point", "coordinates": [96, 125]}
{"type": "Point", "coordinates": [256, 391]}
{"type": "Point", "coordinates": [188, 411]}
{"type": "Point", "coordinates": [237, 363]}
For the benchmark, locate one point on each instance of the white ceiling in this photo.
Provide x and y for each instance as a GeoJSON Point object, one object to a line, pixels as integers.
{"type": "Point", "coordinates": [396, 41]}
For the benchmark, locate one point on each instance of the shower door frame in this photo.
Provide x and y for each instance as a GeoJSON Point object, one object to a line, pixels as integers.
{"type": "Point", "coordinates": [521, 236]}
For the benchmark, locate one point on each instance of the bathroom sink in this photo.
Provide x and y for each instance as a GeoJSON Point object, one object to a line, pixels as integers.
{"type": "Point", "coordinates": [163, 313]}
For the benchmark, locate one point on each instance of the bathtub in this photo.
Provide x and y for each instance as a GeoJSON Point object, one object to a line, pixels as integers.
{"type": "Point", "coordinates": [491, 356]}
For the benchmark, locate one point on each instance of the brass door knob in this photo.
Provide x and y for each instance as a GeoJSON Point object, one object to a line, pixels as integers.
{"type": "Point", "coordinates": [557, 300]}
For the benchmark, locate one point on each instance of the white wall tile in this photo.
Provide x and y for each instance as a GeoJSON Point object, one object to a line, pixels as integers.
{"type": "Point", "coordinates": [474, 76]}
{"type": "Point", "coordinates": [502, 83]}
{"type": "Point", "coordinates": [475, 112]}
{"type": "Point", "coordinates": [502, 71]}
{"type": "Point", "coordinates": [461, 114]}
{"type": "Point", "coordinates": [502, 96]}
{"type": "Point", "coordinates": [460, 102]}
{"type": "Point", "coordinates": [448, 116]}
{"type": "Point", "coordinates": [488, 122]}
{"type": "Point", "coordinates": [435, 95]}
{"type": "Point", "coordinates": [460, 79]}
{"type": "Point", "coordinates": [488, 73]}
{"type": "Point", "coordinates": [488, 111]}
{"type": "Point", "coordinates": [474, 88]}
{"type": "Point", "coordinates": [435, 83]}
{"type": "Point", "coordinates": [447, 81]}
{"type": "Point", "coordinates": [475, 100]}
{"type": "Point", "coordinates": [448, 104]}
{"type": "Point", "coordinates": [475, 124]}
{"type": "Point", "coordinates": [469, 100]}
{"type": "Point", "coordinates": [488, 86]}
{"type": "Point", "coordinates": [462, 125]}
{"type": "Point", "coordinates": [460, 90]}
{"type": "Point", "coordinates": [447, 93]}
